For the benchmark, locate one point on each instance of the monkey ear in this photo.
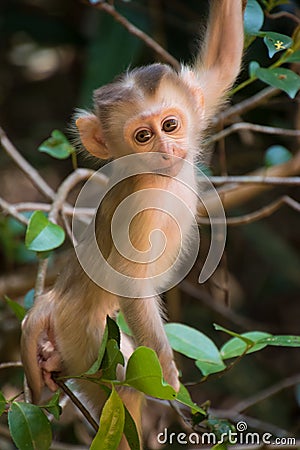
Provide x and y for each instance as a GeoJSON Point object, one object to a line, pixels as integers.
{"type": "Point", "coordinates": [90, 132]}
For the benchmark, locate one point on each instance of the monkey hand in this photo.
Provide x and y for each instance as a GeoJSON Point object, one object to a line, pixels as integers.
{"type": "Point", "coordinates": [170, 372]}
{"type": "Point", "coordinates": [38, 353]}
{"type": "Point", "coordinates": [49, 361]}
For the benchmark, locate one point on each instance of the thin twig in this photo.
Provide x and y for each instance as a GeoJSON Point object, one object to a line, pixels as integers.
{"type": "Point", "coordinates": [252, 127]}
{"type": "Point", "coordinates": [33, 206]}
{"type": "Point", "coordinates": [266, 393]}
{"type": "Point", "coordinates": [40, 277]}
{"type": "Point", "coordinates": [246, 105]}
{"type": "Point", "coordinates": [281, 14]}
{"type": "Point", "coordinates": [64, 189]}
{"type": "Point", "coordinates": [259, 214]}
{"type": "Point", "coordinates": [27, 168]}
{"type": "Point", "coordinates": [60, 197]}
{"type": "Point", "coordinates": [256, 179]}
{"type": "Point", "coordinates": [132, 29]}
{"type": "Point", "coordinates": [12, 211]}
{"type": "Point", "coordinates": [8, 365]}
{"type": "Point", "coordinates": [76, 402]}
{"type": "Point", "coordinates": [206, 299]}
{"type": "Point", "coordinates": [27, 390]}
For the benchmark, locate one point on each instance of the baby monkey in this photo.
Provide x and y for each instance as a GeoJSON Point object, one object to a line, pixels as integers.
{"type": "Point", "coordinates": [150, 110]}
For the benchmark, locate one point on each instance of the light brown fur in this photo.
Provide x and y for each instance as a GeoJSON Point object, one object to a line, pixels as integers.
{"type": "Point", "coordinates": [63, 331]}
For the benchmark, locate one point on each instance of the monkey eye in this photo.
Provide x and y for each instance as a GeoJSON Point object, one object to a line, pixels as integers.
{"type": "Point", "coordinates": [143, 136]}
{"type": "Point", "coordinates": [170, 124]}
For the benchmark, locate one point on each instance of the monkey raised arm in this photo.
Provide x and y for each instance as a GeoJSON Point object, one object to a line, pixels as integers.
{"type": "Point", "coordinates": [219, 60]}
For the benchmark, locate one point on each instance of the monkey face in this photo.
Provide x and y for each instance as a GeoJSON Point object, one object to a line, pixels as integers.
{"type": "Point", "coordinates": [162, 132]}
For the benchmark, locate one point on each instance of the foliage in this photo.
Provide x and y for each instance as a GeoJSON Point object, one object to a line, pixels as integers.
{"type": "Point", "coordinates": [30, 429]}
{"type": "Point", "coordinates": [42, 235]}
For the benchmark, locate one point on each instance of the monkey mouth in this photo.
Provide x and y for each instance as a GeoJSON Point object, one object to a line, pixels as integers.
{"type": "Point", "coordinates": [171, 169]}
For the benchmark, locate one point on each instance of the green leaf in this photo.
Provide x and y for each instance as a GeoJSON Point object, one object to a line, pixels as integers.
{"type": "Point", "coordinates": [284, 79]}
{"type": "Point", "coordinates": [96, 366]}
{"type": "Point", "coordinates": [277, 154]}
{"type": "Point", "coordinates": [220, 446]}
{"type": "Point", "coordinates": [233, 334]}
{"type": "Point", "coordinates": [281, 341]}
{"type": "Point", "coordinates": [253, 18]}
{"type": "Point", "coordinates": [220, 427]}
{"type": "Point", "coordinates": [253, 66]}
{"type": "Point", "coordinates": [276, 42]}
{"type": "Point", "coordinates": [293, 57]}
{"type": "Point", "coordinates": [207, 367]}
{"type": "Point", "coordinates": [57, 146]}
{"type": "Point", "coordinates": [43, 235]}
{"type": "Point", "coordinates": [111, 425]}
{"type": "Point", "coordinates": [112, 358]}
{"type": "Point", "coordinates": [53, 406]}
{"type": "Point", "coordinates": [113, 330]}
{"type": "Point", "coordinates": [236, 347]}
{"type": "Point", "coordinates": [17, 309]}
{"type": "Point", "coordinates": [184, 397]}
{"type": "Point", "coordinates": [123, 324]}
{"type": "Point", "coordinates": [131, 432]}
{"type": "Point", "coordinates": [2, 404]}
{"type": "Point", "coordinates": [29, 427]}
{"type": "Point", "coordinates": [144, 373]}
{"type": "Point", "coordinates": [195, 345]}
{"type": "Point", "coordinates": [29, 299]}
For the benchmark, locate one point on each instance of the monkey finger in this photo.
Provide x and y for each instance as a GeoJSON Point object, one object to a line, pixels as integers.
{"type": "Point", "coordinates": [49, 382]}
{"type": "Point", "coordinates": [171, 374]}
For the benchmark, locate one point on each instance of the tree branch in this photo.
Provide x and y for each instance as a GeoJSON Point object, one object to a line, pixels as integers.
{"type": "Point", "coordinates": [24, 165]}
{"type": "Point", "coordinates": [60, 197]}
{"type": "Point", "coordinates": [252, 127]}
{"type": "Point", "coordinates": [259, 214]}
{"type": "Point", "coordinates": [76, 402]}
{"type": "Point", "coordinates": [235, 194]}
{"type": "Point", "coordinates": [257, 179]}
{"type": "Point", "coordinates": [8, 365]}
{"type": "Point", "coordinates": [132, 29]}
{"type": "Point", "coordinates": [281, 14]}
{"type": "Point", "coordinates": [266, 393]}
{"type": "Point", "coordinates": [246, 105]}
{"type": "Point", "coordinates": [10, 209]}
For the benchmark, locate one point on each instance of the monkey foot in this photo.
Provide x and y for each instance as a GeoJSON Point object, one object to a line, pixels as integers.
{"type": "Point", "coordinates": [171, 375]}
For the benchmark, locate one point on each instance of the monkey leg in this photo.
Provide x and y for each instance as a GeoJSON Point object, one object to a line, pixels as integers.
{"type": "Point", "coordinates": [133, 400]}
{"type": "Point", "coordinates": [144, 317]}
